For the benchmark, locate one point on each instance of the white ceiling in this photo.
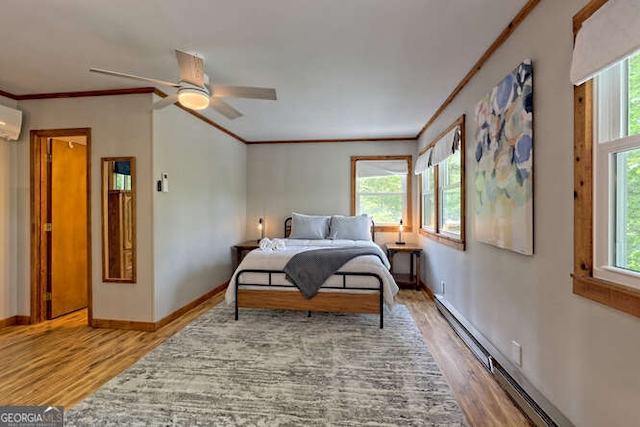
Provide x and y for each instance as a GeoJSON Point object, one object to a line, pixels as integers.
{"type": "Point", "coordinates": [342, 68]}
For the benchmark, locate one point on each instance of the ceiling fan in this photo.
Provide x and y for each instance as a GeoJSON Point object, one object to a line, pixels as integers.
{"type": "Point", "coordinates": [194, 90]}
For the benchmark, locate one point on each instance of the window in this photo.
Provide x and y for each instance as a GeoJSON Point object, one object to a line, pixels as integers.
{"type": "Point", "coordinates": [121, 181]}
{"type": "Point", "coordinates": [441, 166]}
{"type": "Point", "coordinates": [617, 178]}
{"type": "Point", "coordinates": [381, 188]}
{"type": "Point", "coordinates": [121, 176]}
{"type": "Point", "coordinates": [598, 147]}
{"type": "Point", "coordinates": [429, 199]}
{"type": "Point", "coordinates": [449, 174]}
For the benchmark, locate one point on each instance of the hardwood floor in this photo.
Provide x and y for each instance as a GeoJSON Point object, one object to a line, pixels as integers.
{"type": "Point", "coordinates": [480, 397]}
{"type": "Point", "coordinates": [62, 361]}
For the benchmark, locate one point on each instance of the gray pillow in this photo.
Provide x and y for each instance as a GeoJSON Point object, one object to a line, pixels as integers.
{"type": "Point", "coordinates": [309, 226]}
{"type": "Point", "coordinates": [350, 227]}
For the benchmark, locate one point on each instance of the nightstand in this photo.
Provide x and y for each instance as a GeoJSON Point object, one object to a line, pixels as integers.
{"type": "Point", "coordinates": [243, 247]}
{"type": "Point", "coordinates": [415, 252]}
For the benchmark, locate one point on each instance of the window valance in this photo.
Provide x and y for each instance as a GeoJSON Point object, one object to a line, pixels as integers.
{"type": "Point", "coordinates": [423, 162]}
{"type": "Point", "coordinates": [439, 151]}
{"type": "Point", "coordinates": [610, 35]}
{"type": "Point", "coordinates": [122, 168]}
{"type": "Point", "coordinates": [371, 168]}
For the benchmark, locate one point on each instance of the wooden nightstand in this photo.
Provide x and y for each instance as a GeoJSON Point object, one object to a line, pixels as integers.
{"type": "Point", "coordinates": [243, 247]}
{"type": "Point", "coordinates": [415, 252]}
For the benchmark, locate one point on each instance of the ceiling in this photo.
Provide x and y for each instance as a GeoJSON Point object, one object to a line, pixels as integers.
{"type": "Point", "coordinates": [342, 68]}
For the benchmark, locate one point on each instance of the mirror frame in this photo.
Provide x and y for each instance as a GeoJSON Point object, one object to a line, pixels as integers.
{"type": "Point", "coordinates": [104, 214]}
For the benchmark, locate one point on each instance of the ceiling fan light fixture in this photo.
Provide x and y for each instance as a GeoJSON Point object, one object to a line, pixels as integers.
{"type": "Point", "coordinates": [195, 99]}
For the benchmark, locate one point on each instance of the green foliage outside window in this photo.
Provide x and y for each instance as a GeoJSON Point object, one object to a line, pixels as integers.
{"type": "Point", "coordinates": [450, 173]}
{"type": "Point", "coordinates": [121, 182]}
{"type": "Point", "coordinates": [428, 199]}
{"type": "Point", "coordinates": [633, 169]}
{"type": "Point", "coordinates": [382, 197]}
{"type": "Point", "coordinates": [381, 184]}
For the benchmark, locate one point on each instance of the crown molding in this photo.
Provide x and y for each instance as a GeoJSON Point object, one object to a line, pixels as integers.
{"type": "Point", "coordinates": [313, 141]}
{"type": "Point", "coordinates": [107, 92]}
{"type": "Point", "coordinates": [7, 94]}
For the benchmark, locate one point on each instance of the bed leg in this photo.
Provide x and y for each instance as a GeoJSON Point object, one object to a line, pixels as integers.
{"type": "Point", "coordinates": [236, 303]}
{"type": "Point", "coordinates": [381, 304]}
{"type": "Point", "coordinates": [309, 313]}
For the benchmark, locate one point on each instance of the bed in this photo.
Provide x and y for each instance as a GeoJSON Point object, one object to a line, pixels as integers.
{"type": "Point", "coordinates": [362, 285]}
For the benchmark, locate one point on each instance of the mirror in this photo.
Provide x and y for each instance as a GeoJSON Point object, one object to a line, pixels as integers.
{"type": "Point", "coordinates": [118, 219]}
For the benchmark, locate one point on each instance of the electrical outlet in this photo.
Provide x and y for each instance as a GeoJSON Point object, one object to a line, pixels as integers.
{"type": "Point", "coordinates": [442, 284]}
{"type": "Point", "coordinates": [516, 353]}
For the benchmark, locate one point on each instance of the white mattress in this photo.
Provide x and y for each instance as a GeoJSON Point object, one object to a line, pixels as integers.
{"type": "Point", "coordinates": [276, 260]}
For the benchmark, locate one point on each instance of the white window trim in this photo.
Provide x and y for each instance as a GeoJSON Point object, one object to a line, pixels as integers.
{"type": "Point", "coordinates": [422, 194]}
{"type": "Point", "coordinates": [441, 188]}
{"type": "Point", "coordinates": [603, 181]}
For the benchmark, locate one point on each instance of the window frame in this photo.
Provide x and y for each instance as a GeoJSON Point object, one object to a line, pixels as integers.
{"type": "Point", "coordinates": [442, 187]}
{"type": "Point", "coordinates": [611, 125]}
{"type": "Point", "coordinates": [408, 221]}
{"type": "Point", "coordinates": [609, 293]}
{"type": "Point", "coordinates": [433, 192]}
{"type": "Point", "coordinates": [436, 234]}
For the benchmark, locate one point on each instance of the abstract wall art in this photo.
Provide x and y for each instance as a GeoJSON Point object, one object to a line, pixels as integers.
{"type": "Point", "coordinates": [504, 163]}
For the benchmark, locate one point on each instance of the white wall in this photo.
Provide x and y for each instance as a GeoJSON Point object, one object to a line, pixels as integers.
{"type": "Point", "coordinates": [581, 355]}
{"type": "Point", "coordinates": [312, 178]}
{"type": "Point", "coordinates": [120, 126]}
{"type": "Point", "coordinates": [8, 295]}
{"type": "Point", "coordinates": [203, 213]}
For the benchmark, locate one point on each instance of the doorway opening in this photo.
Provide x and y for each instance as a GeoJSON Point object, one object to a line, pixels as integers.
{"type": "Point", "coordinates": [60, 223]}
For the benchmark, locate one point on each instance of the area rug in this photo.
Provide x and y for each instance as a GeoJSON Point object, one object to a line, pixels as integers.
{"type": "Point", "coordinates": [280, 368]}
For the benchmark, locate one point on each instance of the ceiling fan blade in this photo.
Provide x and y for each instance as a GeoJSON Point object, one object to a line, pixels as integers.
{"type": "Point", "coordinates": [224, 91]}
{"type": "Point", "coordinates": [223, 108]}
{"type": "Point", "coordinates": [191, 68]}
{"type": "Point", "coordinates": [131, 76]}
{"type": "Point", "coordinates": [164, 102]}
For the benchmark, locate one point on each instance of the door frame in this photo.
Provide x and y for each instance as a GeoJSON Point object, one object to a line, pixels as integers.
{"type": "Point", "coordinates": [38, 196]}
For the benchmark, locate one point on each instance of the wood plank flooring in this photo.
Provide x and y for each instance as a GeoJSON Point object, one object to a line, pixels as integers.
{"type": "Point", "coordinates": [62, 361]}
{"type": "Point", "coordinates": [480, 397]}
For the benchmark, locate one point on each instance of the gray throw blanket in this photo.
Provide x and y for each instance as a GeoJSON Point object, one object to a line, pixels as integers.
{"type": "Point", "coordinates": [310, 269]}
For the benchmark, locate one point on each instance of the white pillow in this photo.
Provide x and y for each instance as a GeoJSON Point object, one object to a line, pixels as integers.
{"type": "Point", "coordinates": [309, 226]}
{"type": "Point", "coordinates": [350, 227]}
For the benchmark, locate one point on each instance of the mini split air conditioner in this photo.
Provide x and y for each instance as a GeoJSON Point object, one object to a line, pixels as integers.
{"type": "Point", "coordinates": [10, 123]}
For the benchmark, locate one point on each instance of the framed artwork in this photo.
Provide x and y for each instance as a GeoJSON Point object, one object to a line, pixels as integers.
{"type": "Point", "coordinates": [504, 163]}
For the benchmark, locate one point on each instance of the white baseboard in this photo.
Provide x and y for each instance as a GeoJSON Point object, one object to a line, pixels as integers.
{"type": "Point", "coordinates": [529, 399]}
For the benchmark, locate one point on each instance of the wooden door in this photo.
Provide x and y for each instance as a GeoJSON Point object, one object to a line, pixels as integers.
{"type": "Point", "coordinates": [68, 216]}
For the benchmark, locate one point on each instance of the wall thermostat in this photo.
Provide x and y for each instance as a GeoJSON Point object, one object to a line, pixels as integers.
{"type": "Point", "coordinates": [163, 184]}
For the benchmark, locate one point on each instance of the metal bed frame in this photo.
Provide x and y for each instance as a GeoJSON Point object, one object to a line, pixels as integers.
{"type": "Point", "coordinates": [273, 295]}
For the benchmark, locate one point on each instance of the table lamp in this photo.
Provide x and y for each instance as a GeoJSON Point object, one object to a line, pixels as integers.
{"type": "Point", "coordinates": [261, 228]}
{"type": "Point", "coordinates": [400, 228]}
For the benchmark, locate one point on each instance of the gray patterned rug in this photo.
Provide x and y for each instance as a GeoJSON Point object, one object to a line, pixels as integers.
{"type": "Point", "coordinates": [280, 368]}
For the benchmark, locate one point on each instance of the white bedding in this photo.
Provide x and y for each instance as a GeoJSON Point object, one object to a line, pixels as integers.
{"type": "Point", "coordinates": [276, 260]}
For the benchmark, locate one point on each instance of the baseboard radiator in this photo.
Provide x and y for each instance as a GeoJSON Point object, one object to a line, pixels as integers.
{"type": "Point", "coordinates": [496, 364]}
